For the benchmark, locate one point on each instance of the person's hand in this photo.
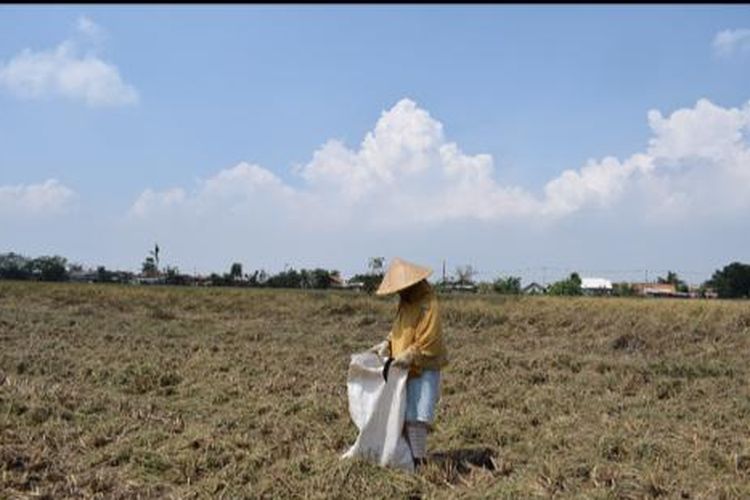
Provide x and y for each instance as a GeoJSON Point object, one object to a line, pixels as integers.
{"type": "Point", "coordinates": [405, 359]}
{"type": "Point", "coordinates": [382, 349]}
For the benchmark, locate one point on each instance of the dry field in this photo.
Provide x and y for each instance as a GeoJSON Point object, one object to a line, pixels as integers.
{"type": "Point", "coordinates": [116, 391]}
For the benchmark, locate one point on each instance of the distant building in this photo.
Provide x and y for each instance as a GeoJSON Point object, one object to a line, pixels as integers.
{"type": "Point", "coordinates": [202, 281]}
{"type": "Point", "coordinates": [534, 288]}
{"type": "Point", "coordinates": [452, 286]}
{"type": "Point", "coordinates": [339, 284]}
{"type": "Point", "coordinates": [81, 276]}
{"type": "Point", "coordinates": [655, 289]}
{"type": "Point", "coordinates": [710, 293]}
{"type": "Point", "coordinates": [596, 286]}
{"type": "Point", "coordinates": [335, 280]}
{"type": "Point", "coordinates": [122, 277]}
{"type": "Point", "coordinates": [149, 280]}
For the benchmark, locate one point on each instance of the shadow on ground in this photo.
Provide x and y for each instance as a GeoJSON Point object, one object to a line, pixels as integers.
{"type": "Point", "coordinates": [462, 460]}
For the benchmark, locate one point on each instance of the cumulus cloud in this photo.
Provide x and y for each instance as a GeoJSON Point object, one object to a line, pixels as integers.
{"type": "Point", "coordinates": [598, 183]}
{"type": "Point", "coordinates": [72, 70]}
{"type": "Point", "coordinates": [404, 143]}
{"type": "Point", "coordinates": [48, 198]}
{"type": "Point", "coordinates": [406, 172]}
{"type": "Point", "coordinates": [697, 162]}
{"type": "Point", "coordinates": [238, 189]}
{"type": "Point", "coordinates": [729, 42]}
{"type": "Point", "coordinates": [151, 200]}
{"type": "Point", "coordinates": [706, 131]}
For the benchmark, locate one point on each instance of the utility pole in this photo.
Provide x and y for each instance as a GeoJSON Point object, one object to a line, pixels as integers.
{"type": "Point", "coordinates": [443, 271]}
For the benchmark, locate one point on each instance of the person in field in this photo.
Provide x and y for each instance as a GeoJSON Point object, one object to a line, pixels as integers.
{"type": "Point", "coordinates": [415, 342]}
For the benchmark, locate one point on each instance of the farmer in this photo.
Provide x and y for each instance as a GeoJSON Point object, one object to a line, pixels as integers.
{"type": "Point", "coordinates": [415, 343]}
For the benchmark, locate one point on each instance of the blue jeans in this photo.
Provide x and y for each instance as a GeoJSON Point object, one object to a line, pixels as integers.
{"type": "Point", "coordinates": [422, 395]}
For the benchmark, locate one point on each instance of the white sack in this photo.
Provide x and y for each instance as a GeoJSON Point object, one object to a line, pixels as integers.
{"type": "Point", "coordinates": [378, 410]}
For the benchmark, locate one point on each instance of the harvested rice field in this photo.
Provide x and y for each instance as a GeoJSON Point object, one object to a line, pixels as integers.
{"type": "Point", "coordinates": [159, 392]}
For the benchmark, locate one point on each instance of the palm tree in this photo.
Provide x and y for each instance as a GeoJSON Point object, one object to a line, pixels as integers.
{"type": "Point", "coordinates": [376, 265]}
{"type": "Point", "coordinates": [236, 271]}
{"type": "Point", "coordinates": [149, 267]}
{"type": "Point", "coordinates": [465, 274]}
{"type": "Point", "coordinates": [155, 255]}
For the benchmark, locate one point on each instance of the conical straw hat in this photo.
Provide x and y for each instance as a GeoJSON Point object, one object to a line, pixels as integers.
{"type": "Point", "coordinates": [401, 274]}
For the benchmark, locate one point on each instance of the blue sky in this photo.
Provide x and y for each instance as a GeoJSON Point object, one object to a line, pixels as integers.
{"type": "Point", "coordinates": [168, 121]}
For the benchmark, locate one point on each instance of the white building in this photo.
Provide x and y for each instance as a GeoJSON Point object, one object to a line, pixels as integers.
{"type": "Point", "coordinates": [596, 286]}
{"type": "Point", "coordinates": [534, 289]}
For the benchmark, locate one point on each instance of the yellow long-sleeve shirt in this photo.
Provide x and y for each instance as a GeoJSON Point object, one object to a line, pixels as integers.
{"type": "Point", "coordinates": [418, 327]}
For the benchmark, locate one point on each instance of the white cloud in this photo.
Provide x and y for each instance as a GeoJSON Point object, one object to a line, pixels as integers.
{"type": "Point", "coordinates": [404, 143]}
{"type": "Point", "coordinates": [706, 131]}
{"type": "Point", "coordinates": [151, 200]}
{"type": "Point", "coordinates": [89, 28]}
{"type": "Point", "coordinates": [729, 42]}
{"type": "Point", "coordinates": [405, 172]}
{"type": "Point", "coordinates": [242, 181]}
{"type": "Point", "coordinates": [703, 157]}
{"type": "Point", "coordinates": [599, 183]}
{"type": "Point", "coordinates": [232, 190]}
{"type": "Point", "coordinates": [68, 71]}
{"type": "Point", "coordinates": [48, 198]}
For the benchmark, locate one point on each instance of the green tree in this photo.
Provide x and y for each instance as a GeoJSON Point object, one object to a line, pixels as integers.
{"type": "Point", "coordinates": [370, 282]}
{"type": "Point", "coordinates": [172, 276]}
{"type": "Point", "coordinates": [50, 268]}
{"type": "Point", "coordinates": [14, 266]}
{"type": "Point", "coordinates": [733, 281]}
{"type": "Point", "coordinates": [375, 264]}
{"type": "Point", "coordinates": [318, 278]}
{"type": "Point", "coordinates": [305, 278]}
{"type": "Point", "coordinates": [149, 267]}
{"type": "Point", "coordinates": [623, 289]}
{"type": "Point", "coordinates": [258, 278]}
{"type": "Point", "coordinates": [570, 286]}
{"type": "Point", "coordinates": [235, 272]}
{"type": "Point", "coordinates": [675, 280]}
{"type": "Point", "coordinates": [465, 275]}
{"type": "Point", "coordinates": [290, 278]}
{"type": "Point", "coordinates": [217, 279]}
{"type": "Point", "coordinates": [103, 275]}
{"type": "Point", "coordinates": [507, 286]}
{"type": "Point", "coordinates": [155, 254]}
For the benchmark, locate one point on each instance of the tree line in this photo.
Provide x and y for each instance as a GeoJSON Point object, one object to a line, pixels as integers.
{"type": "Point", "coordinates": [318, 278]}
{"type": "Point", "coordinates": [45, 268]}
{"type": "Point", "coordinates": [732, 281]}
{"type": "Point", "coordinates": [14, 266]}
